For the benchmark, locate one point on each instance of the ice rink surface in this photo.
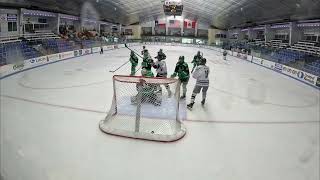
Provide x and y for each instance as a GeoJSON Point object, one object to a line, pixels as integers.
{"type": "Point", "coordinates": [257, 124]}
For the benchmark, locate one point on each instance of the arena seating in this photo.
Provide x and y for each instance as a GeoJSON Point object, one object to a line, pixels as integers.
{"type": "Point", "coordinates": [58, 45]}
{"type": "Point", "coordinates": [9, 39]}
{"type": "Point", "coordinates": [87, 43]}
{"type": "Point", "coordinates": [3, 56]}
{"type": "Point", "coordinates": [286, 56]}
{"type": "Point", "coordinates": [257, 42]}
{"type": "Point", "coordinates": [313, 67]}
{"type": "Point", "coordinates": [40, 36]}
{"type": "Point", "coordinates": [306, 47]}
{"type": "Point", "coordinates": [276, 43]}
{"type": "Point", "coordinates": [11, 52]}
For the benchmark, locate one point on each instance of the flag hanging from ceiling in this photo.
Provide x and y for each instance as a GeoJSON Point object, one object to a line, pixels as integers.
{"type": "Point", "coordinates": [160, 23]}
{"type": "Point", "coordinates": [174, 23]}
{"type": "Point", "coordinates": [189, 24]}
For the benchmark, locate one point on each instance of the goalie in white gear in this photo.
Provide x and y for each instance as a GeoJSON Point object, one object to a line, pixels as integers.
{"type": "Point", "coordinates": [147, 93]}
{"type": "Point", "coordinates": [201, 74]}
{"type": "Point", "coordinates": [161, 68]}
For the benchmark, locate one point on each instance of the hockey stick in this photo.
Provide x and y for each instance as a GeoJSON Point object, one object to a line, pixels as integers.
{"type": "Point", "coordinates": [136, 54]}
{"type": "Point", "coordinates": [126, 61]}
{"type": "Point", "coordinates": [119, 67]}
{"type": "Point", "coordinates": [138, 69]}
{"type": "Point", "coordinates": [133, 51]}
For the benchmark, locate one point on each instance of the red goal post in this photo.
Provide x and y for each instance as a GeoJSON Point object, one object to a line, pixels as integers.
{"type": "Point", "coordinates": [142, 108]}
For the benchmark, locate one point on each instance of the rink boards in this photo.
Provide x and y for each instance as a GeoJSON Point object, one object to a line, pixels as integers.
{"type": "Point", "coordinates": [11, 69]}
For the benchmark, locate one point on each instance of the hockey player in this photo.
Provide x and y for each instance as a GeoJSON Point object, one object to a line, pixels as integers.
{"type": "Point", "coordinates": [134, 62]}
{"type": "Point", "coordinates": [147, 93]}
{"type": "Point", "coordinates": [143, 50]}
{"type": "Point", "coordinates": [147, 62]}
{"type": "Point", "coordinates": [161, 69]}
{"type": "Point", "coordinates": [146, 73]}
{"type": "Point", "coordinates": [101, 50]}
{"type": "Point", "coordinates": [161, 55]}
{"type": "Point", "coordinates": [182, 70]}
{"type": "Point", "coordinates": [201, 74]}
{"type": "Point", "coordinates": [196, 60]}
{"type": "Point", "coordinates": [224, 54]}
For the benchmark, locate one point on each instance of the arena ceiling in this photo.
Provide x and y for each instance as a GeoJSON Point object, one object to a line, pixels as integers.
{"type": "Point", "coordinates": [219, 13]}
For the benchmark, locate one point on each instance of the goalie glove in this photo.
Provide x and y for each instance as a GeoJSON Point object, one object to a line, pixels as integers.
{"type": "Point", "coordinates": [173, 75]}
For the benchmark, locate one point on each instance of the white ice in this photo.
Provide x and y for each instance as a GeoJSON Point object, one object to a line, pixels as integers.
{"type": "Point", "coordinates": [257, 124]}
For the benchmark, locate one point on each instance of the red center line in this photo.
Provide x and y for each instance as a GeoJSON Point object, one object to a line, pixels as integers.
{"type": "Point", "coordinates": [53, 105]}
{"type": "Point", "coordinates": [188, 120]}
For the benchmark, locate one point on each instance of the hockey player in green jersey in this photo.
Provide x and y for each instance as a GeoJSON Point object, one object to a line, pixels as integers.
{"type": "Point", "coordinates": [182, 70]}
{"type": "Point", "coordinates": [196, 60]}
{"type": "Point", "coordinates": [146, 73]}
{"type": "Point", "coordinates": [134, 63]}
{"type": "Point", "coordinates": [147, 62]}
{"type": "Point", "coordinates": [143, 50]}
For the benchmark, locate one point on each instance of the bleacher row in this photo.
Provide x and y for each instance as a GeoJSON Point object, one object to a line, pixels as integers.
{"type": "Point", "coordinates": [313, 67]}
{"type": "Point", "coordinates": [285, 54]}
{"type": "Point", "coordinates": [12, 52]}
{"type": "Point", "coordinates": [306, 47]}
{"type": "Point", "coordinates": [58, 45]}
{"type": "Point", "coordinates": [17, 48]}
{"type": "Point", "coordinates": [28, 37]}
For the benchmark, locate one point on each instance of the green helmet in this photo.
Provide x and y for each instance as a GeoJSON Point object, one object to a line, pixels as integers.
{"type": "Point", "coordinates": [145, 52]}
{"type": "Point", "coordinates": [198, 53]}
{"type": "Point", "coordinates": [160, 50]}
{"type": "Point", "coordinates": [146, 73]}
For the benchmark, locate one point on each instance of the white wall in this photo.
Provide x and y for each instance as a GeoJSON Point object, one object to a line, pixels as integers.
{"type": "Point", "coordinates": [4, 24]}
{"type": "Point", "coordinates": [147, 24]}
{"type": "Point", "coordinates": [51, 21]}
{"type": "Point", "coordinates": [312, 31]}
{"type": "Point", "coordinates": [282, 31]}
{"type": "Point", "coordinates": [202, 25]}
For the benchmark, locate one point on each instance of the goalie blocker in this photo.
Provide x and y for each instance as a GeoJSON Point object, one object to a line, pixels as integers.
{"type": "Point", "coordinates": [141, 110]}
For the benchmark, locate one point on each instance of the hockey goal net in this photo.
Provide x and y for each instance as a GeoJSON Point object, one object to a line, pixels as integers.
{"type": "Point", "coordinates": [145, 108]}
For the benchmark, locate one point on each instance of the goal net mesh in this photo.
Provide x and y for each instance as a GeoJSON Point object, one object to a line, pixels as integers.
{"type": "Point", "coordinates": [145, 108]}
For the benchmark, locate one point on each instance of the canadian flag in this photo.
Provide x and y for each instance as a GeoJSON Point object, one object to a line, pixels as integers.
{"type": "Point", "coordinates": [160, 24]}
{"type": "Point", "coordinates": [189, 24]}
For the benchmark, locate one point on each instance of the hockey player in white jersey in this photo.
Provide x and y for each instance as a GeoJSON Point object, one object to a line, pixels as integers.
{"type": "Point", "coordinates": [201, 74]}
{"type": "Point", "coordinates": [161, 68]}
